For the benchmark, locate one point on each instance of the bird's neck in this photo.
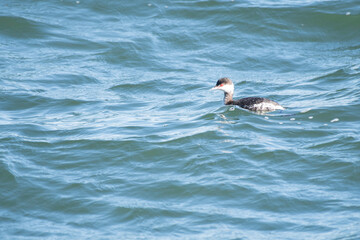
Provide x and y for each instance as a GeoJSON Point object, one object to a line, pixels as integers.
{"type": "Point", "coordinates": [228, 98]}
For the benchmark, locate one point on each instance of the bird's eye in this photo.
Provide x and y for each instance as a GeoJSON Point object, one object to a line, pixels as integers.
{"type": "Point", "coordinates": [221, 85]}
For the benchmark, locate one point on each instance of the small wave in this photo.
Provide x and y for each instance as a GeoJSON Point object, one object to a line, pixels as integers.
{"type": "Point", "coordinates": [17, 102]}
{"type": "Point", "coordinates": [19, 27]}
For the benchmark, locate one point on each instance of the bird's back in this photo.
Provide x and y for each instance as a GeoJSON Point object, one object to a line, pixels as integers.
{"type": "Point", "coordinates": [257, 104]}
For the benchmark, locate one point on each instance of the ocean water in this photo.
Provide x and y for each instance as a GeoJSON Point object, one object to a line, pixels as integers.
{"type": "Point", "coordinates": [109, 130]}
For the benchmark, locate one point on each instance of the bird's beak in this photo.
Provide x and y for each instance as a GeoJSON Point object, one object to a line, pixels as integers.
{"type": "Point", "coordinates": [214, 88]}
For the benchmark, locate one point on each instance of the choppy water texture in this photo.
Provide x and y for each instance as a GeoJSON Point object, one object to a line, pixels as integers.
{"type": "Point", "coordinates": [109, 130]}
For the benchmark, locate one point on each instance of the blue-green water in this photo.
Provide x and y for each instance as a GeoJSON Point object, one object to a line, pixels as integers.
{"type": "Point", "coordinates": [109, 130]}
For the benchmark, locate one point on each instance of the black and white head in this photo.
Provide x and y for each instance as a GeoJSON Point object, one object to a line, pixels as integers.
{"type": "Point", "coordinates": [225, 85]}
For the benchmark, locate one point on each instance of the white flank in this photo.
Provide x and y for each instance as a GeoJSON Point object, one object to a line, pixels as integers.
{"type": "Point", "coordinates": [266, 106]}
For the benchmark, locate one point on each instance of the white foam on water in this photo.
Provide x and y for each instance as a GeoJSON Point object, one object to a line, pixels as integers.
{"type": "Point", "coordinates": [225, 151]}
{"type": "Point", "coordinates": [306, 110]}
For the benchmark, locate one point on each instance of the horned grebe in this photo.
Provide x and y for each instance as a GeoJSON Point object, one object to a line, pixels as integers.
{"type": "Point", "coordinates": [257, 104]}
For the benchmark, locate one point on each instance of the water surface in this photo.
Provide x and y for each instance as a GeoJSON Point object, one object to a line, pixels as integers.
{"type": "Point", "coordinates": [109, 130]}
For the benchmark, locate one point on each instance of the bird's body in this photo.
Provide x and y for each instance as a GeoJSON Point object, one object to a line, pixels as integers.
{"type": "Point", "coordinates": [257, 104]}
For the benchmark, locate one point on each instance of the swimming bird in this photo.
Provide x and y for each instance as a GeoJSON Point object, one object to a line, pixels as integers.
{"type": "Point", "coordinates": [257, 104]}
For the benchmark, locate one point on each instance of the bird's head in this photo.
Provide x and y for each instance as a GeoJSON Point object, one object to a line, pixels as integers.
{"type": "Point", "coordinates": [225, 85]}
